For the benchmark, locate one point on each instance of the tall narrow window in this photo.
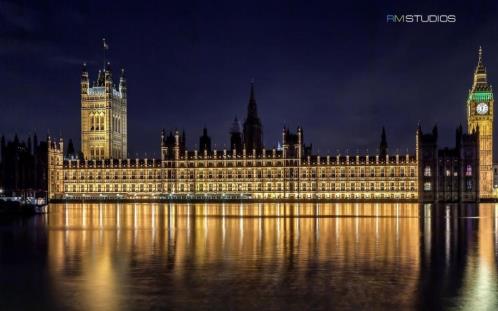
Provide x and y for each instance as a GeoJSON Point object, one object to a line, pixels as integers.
{"type": "Point", "coordinates": [92, 122]}
{"type": "Point", "coordinates": [102, 124]}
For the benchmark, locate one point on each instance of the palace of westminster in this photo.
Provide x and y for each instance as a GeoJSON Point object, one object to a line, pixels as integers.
{"type": "Point", "coordinates": [249, 171]}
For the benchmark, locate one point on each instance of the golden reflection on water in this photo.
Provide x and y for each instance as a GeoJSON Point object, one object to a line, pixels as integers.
{"type": "Point", "coordinates": [104, 255]}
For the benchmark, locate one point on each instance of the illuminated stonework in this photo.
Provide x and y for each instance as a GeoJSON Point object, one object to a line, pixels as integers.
{"type": "Point", "coordinates": [220, 174]}
{"type": "Point", "coordinates": [104, 121]}
{"type": "Point", "coordinates": [291, 171]}
{"type": "Point", "coordinates": [480, 110]}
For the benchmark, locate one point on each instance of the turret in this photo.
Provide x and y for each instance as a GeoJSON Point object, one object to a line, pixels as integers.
{"type": "Point", "coordinates": [176, 148]}
{"type": "Point", "coordinates": [204, 142]}
{"type": "Point", "coordinates": [236, 142]}
{"type": "Point", "coordinates": [383, 144]}
{"type": "Point", "coordinates": [122, 83]}
{"type": "Point", "coordinates": [108, 78]}
{"type": "Point", "coordinates": [299, 145]}
{"type": "Point", "coordinates": [55, 166]}
{"type": "Point", "coordinates": [85, 83]}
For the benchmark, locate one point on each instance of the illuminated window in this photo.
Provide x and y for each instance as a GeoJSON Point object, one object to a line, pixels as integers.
{"type": "Point", "coordinates": [427, 186]}
{"type": "Point", "coordinates": [448, 173]}
{"type": "Point", "coordinates": [468, 170]}
{"type": "Point", "coordinates": [427, 171]}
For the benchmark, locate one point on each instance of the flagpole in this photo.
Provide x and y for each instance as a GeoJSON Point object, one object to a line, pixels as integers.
{"type": "Point", "coordinates": [105, 51]}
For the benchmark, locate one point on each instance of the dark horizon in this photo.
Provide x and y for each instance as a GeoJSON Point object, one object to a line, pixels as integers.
{"type": "Point", "coordinates": [339, 71]}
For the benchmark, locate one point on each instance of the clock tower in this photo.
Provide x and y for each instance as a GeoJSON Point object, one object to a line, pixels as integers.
{"type": "Point", "coordinates": [480, 118]}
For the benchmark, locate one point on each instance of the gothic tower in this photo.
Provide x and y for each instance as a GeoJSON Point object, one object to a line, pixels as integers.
{"type": "Point", "coordinates": [253, 130]}
{"type": "Point", "coordinates": [236, 137]}
{"type": "Point", "coordinates": [383, 144]}
{"type": "Point", "coordinates": [103, 116]}
{"type": "Point", "coordinates": [480, 119]}
{"type": "Point", "coordinates": [205, 141]}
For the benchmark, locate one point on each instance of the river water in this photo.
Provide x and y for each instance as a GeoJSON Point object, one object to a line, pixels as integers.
{"type": "Point", "coordinates": [250, 256]}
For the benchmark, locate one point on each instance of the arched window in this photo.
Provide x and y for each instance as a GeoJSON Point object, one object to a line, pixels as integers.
{"type": "Point", "coordinates": [102, 124]}
{"type": "Point", "coordinates": [92, 122]}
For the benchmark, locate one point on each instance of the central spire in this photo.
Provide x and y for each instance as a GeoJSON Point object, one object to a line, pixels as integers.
{"type": "Point", "coordinates": [252, 109]}
{"type": "Point", "coordinates": [253, 132]}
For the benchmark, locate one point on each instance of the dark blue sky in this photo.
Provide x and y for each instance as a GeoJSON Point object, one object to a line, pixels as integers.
{"type": "Point", "coordinates": [338, 70]}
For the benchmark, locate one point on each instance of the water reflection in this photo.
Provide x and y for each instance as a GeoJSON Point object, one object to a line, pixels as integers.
{"type": "Point", "coordinates": [115, 256]}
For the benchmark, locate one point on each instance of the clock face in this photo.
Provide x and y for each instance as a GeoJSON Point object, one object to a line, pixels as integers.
{"type": "Point", "coordinates": [482, 108]}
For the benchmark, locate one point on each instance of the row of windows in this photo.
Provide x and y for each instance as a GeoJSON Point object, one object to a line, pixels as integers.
{"type": "Point", "coordinates": [249, 163]}
{"type": "Point", "coordinates": [212, 187]}
{"type": "Point", "coordinates": [468, 186]}
{"type": "Point", "coordinates": [132, 174]}
{"type": "Point", "coordinates": [113, 188]}
{"type": "Point", "coordinates": [97, 121]}
{"type": "Point", "coordinates": [116, 124]}
{"type": "Point", "coordinates": [273, 174]}
{"type": "Point", "coordinates": [448, 172]}
{"type": "Point", "coordinates": [97, 152]}
{"type": "Point", "coordinates": [248, 173]}
{"type": "Point", "coordinates": [303, 173]}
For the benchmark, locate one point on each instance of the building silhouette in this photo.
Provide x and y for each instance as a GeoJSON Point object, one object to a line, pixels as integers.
{"type": "Point", "coordinates": [253, 130]}
{"type": "Point", "coordinates": [23, 165]}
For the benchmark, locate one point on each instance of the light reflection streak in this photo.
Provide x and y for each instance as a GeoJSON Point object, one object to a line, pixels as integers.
{"type": "Point", "coordinates": [326, 231]}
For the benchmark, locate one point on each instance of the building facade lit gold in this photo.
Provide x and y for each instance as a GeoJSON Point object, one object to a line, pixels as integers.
{"type": "Point", "coordinates": [104, 124]}
{"type": "Point", "coordinates": [480, 112]}
{"type": "Point", "coordinates": [222, 174]}
{"type": "Point", "coordinates": [288, 172]}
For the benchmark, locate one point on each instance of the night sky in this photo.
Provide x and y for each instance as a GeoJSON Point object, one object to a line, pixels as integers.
{"type": "Point", "coordinates": [338, 70]}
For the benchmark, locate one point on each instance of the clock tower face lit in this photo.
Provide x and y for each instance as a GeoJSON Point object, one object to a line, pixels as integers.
{"type": "Point", "coordinates": [480, 111]}
{"type": "Point", "coordinates": [482, 108]}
